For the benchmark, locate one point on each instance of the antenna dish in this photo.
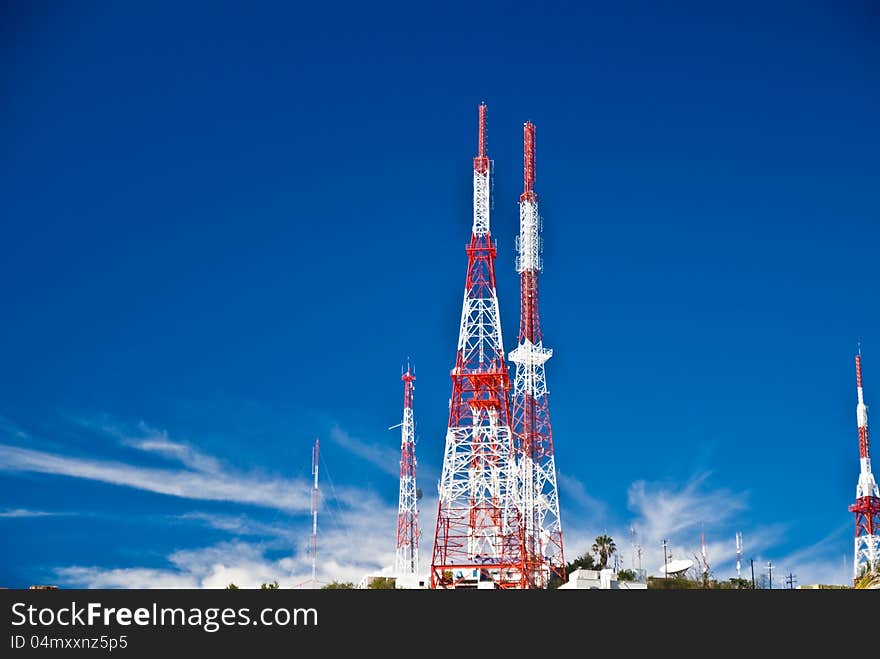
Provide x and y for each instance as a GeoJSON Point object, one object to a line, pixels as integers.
{"type": "Point", "coordinates": [676, 567]}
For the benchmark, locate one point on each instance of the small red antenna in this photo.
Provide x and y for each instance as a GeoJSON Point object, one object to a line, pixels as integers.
{"type": "Point", "coordinates": [481, 147]}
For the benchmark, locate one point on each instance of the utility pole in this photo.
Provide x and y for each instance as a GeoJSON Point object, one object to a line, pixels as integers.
{"type": "Point", "coordinates": [752, 561]}
{"type": "Point", "coordinates": [791, 581]}
{"type": "Point", "coordinates": [770, 570]}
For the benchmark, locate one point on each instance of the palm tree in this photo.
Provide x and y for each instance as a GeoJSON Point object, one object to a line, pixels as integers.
{"type": "Point", "coordinates": [870, 580]}
{"type": "Point", "coordinates": [604, 547]}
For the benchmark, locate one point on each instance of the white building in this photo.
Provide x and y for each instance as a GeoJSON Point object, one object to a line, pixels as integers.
{"type": "Point", "coordinates": [401, 582]}
{"type": "Point", "coordinates": [599, 580]}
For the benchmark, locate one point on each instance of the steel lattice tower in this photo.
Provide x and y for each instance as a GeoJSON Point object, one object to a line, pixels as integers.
{"type": "Point", "coordinates": [407, 557]}
{"type": "Point", "coordinates": [533, 439]}
{"type": "Point", "coordinates": [478, 541]}
{"type": "Point", "coordinates": [867, 505]}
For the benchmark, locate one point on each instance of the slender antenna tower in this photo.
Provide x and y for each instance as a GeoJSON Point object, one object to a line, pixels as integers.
{"type": "Point", "coordinates": [739, 554]}
{"type": "Point", "coordinates": [533, 438]}
{"type": "Point", "coordinates": [478, 540]}
{"type": "Point", "coordinates": [665, 559]}
{"type": "Point", "coordinates": [704, 554]}
{"type": "Point", "coordinates": [407, 555]}
{"type": "Point", "coordinates": [315, 514]}
{"type": "Point", "coordinates": [867, 505]}
{"type": "Point", "coordinates": [632, 543]}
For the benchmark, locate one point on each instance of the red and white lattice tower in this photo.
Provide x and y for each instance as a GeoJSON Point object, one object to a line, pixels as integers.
{"type": "Point", "coordinates": [533, 439]}
{"type": "Point", "coordinates": [406, 559]}
{"type": "Point", "coordinates": [478, 540]}
{"type": "Point", "coordinates": [867, 505]}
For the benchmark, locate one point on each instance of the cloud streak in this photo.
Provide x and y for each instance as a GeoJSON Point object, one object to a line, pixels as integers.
{"type": "Point", "coordinates": [24, 513]}
{"type": "Point", "coordinates": [204, 484]}
{"type": "Point", "coordinates": [385, 458]}
{"type": "Point", "coordinates": [574, 491]}
{"type": "Point", "coordinates": [359, 541]}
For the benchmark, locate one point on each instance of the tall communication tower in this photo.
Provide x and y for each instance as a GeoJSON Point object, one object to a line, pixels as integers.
{"type": "Point", "coordinates": [478, 541]}
{"type": "Point", "coordinates": [867, 505]}
{"type": "Point", "coordinates": [533, 438]}
{"type": "Point", "coordinates": [407, 555]}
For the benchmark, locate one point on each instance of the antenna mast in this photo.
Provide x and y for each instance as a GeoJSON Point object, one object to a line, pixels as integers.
{"type": "Point", "coordinates": [704, 555]}
{"type": "Point", "coordinates": [406, 559]}
{"type": "Point", "coordinates": [533, 437]}
{"type": "Point", "coordinates": [739, 554]}
{"type": "Point", "coordinates": [315, 514]}
{"type": "Point", "coordinates": [867, 505]}
{"type": "Point", "coordinates": [478, 541]}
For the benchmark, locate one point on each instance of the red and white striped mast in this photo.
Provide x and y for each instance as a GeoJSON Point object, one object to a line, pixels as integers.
{"type": "Point", "coordinates": [478, 541]}
{"type": "Point", "coordinates": [406, 559]}
{"type": "Point", "coordinates": [867, 505]}
{"type": "Point", "coordinates": [533, 438]}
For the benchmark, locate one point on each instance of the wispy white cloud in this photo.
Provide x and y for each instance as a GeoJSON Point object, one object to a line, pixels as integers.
{"type": "Point", "coordinates": [242, 525]}
{"type": "Point", "coordinates": [680, 514]}
{"type": "Point", "coordinates": [23, 512]}
{"type": "Point", "coordinates": [98, 577]}
{"type": "Point", "coordinates": [356, 527]}
{"type": "Point", "coordinates": [671, 511]}
{"type": "Point", "coordinates": [221, 485]}
{"type": "Point", "coordinates": [384, 457]}
{"type": "Point", "coordinates": [819, 562]}
{"type": "Point", "coordinates": [574, 492]}
{"type": "Point", "coordinates": [149, 439]}
{"type": "Point", "coordinates": [359, 541]}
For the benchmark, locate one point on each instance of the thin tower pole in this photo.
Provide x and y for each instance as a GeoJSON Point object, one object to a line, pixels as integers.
{"type": "Point", "coordinates": [315, 514]}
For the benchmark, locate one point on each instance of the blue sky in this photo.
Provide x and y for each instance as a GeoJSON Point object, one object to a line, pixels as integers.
{"type": "Point", "coordinates": [225, 226]}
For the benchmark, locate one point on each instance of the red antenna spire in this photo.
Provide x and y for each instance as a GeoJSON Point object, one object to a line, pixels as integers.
{"type": "Point", "coordinates": [481, 162]}
{"type": "Point", "coordinates": [859, 369]}
{"type": "Point", "coordinates": [528, 162]}
{"type": "Point", "coordinates": [862, 412]}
